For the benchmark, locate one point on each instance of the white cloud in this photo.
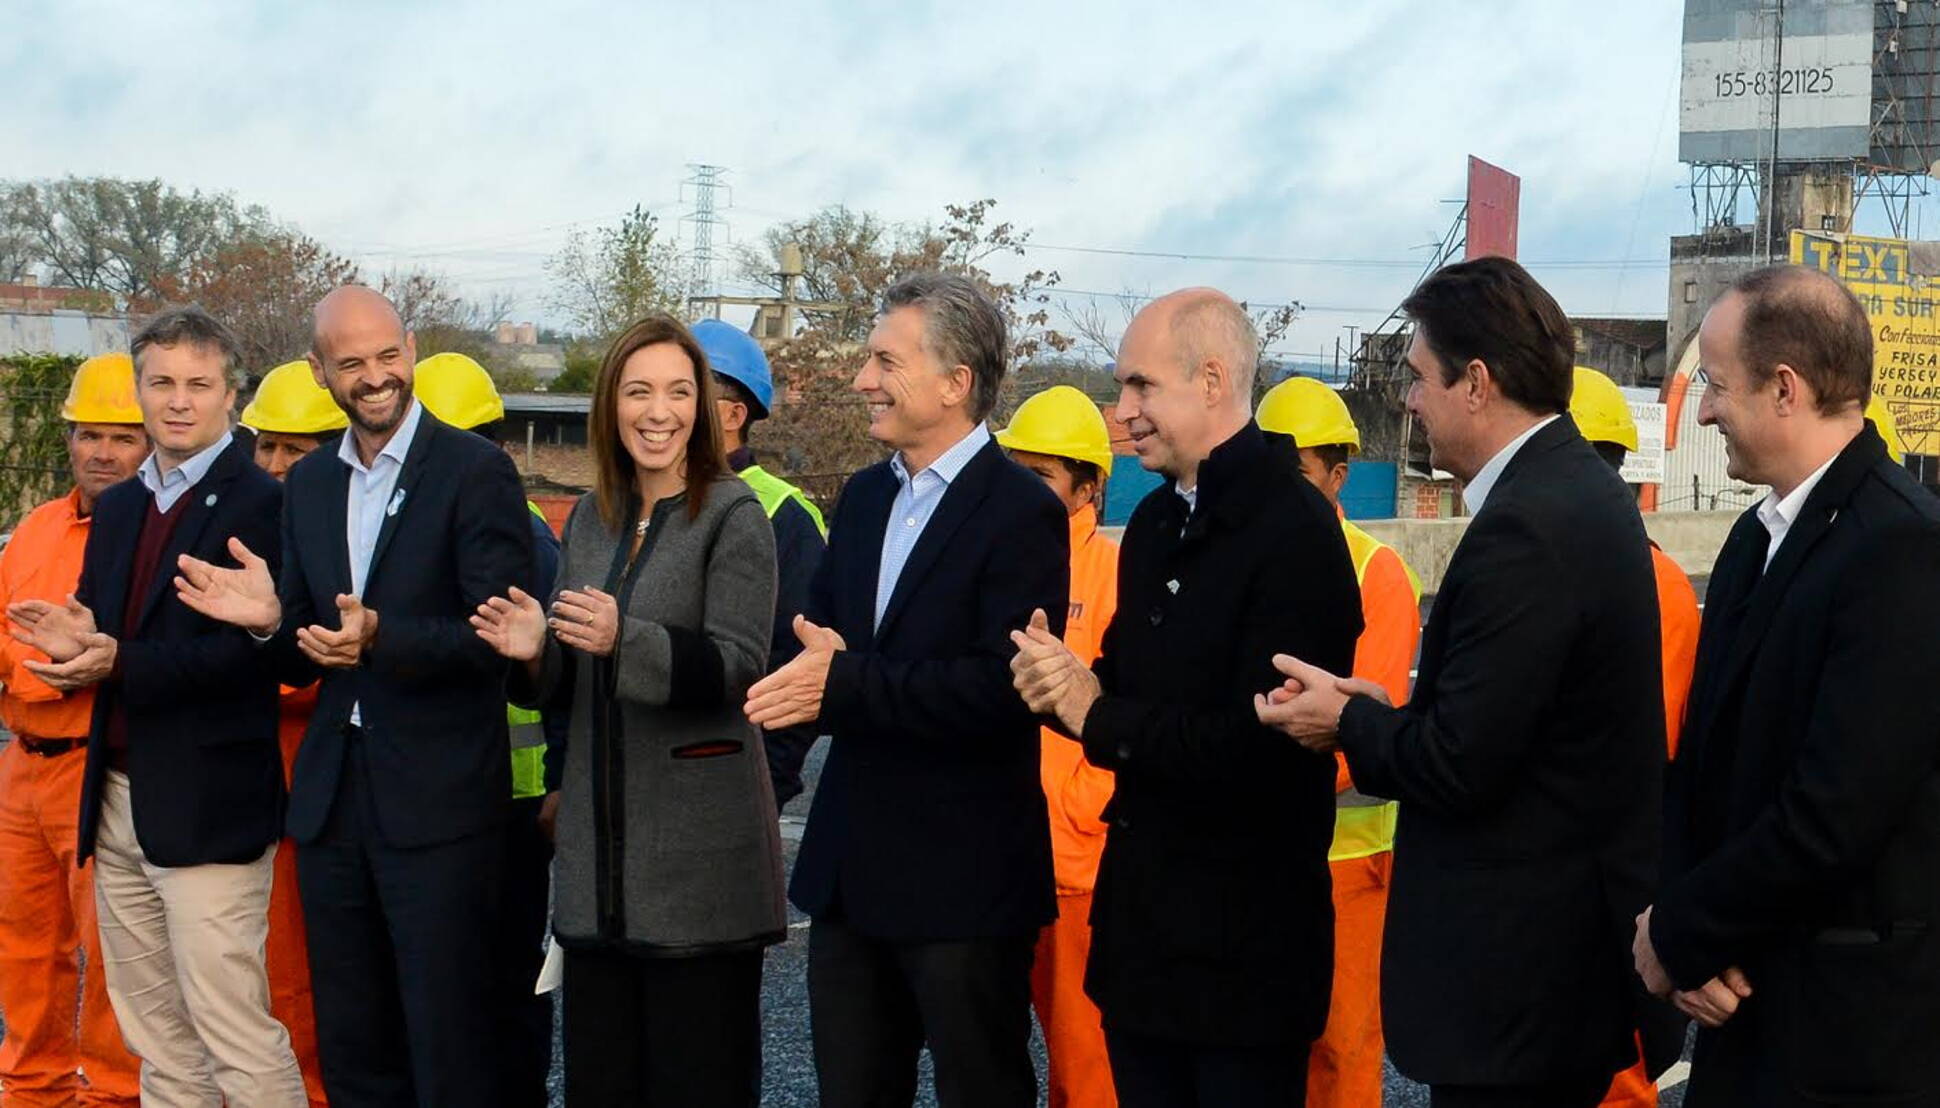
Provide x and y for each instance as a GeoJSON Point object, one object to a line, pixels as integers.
{"type": "Point", "coordinates": [464, 136]}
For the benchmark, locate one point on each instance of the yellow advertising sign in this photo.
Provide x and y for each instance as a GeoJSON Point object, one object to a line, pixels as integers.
{"type": "Point", "coordinates": [1898, 283]}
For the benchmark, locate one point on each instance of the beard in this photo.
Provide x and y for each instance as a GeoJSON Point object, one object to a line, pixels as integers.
{"type": "Point", "coordinates": [384, 421]}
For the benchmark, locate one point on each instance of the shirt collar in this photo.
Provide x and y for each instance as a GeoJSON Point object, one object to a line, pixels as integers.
{"type": "Point", "coordinates": [951, 462]}
{"type": "Point", "coordinates": [188, 473]}
{"type": "Point", "coordinates": [1780, 513]}
{"type": "Point", "coordinates": [396, 450]}
{"type": "Point", "coordinates": [1189, 495]}
{"type": "Point", "coordinates": [1476, 492]}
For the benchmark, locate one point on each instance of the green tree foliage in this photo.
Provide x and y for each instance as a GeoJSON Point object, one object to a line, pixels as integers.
{"type": "Point", "coordinates": [605, 279]}
{"type": "Point", "coordinates": [32, 434]}
{"type": "Point", "coordinates": [582, 369]}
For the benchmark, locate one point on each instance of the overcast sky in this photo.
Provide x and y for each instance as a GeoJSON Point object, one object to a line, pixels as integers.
{"type": "Point", "coordinates": [469, 137]}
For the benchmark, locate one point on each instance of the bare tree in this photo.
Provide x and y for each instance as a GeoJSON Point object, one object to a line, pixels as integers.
{"type": "Point", "coordinates": [263, 287]}
{"type": "Point", "coordinates": [124, 237]}
{"type": "Point", "coordinates": [850, 259]}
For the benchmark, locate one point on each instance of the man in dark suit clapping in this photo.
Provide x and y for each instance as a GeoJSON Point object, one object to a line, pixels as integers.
{"type": "Point", "coordinates": [926, 863]}
{"type": "Point", "coordinates": [390, 543]}
{"type": "Point", "coordinates": [1212, 924]}
{"type": "Point", "coordinates": [1529, 762]}
{"type": "Point", "coordinates": [182, 797]}
{"type": "Point", "coordinates": [1799, 918]}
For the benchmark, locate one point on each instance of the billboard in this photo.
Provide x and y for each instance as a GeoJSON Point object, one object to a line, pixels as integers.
{"type": "Point", "coordinates": [1494, 206]}
{"type": "Point", "coordinates": [1740, 67]}
{"type": "Point", "coordinates": [1898, 283]}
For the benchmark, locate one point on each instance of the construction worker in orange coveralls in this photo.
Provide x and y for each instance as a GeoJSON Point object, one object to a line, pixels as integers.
{"type": "Point", "coordinates": [292, 416]}
{"type": "Point", "coordinates": [1345, 1067]}
{"type": "Point", "coordinates": [1603, 416]}
{"type": "Point", "coordinates": [1060, 436]}
{"type": "Point", "coordinates": [59, 1024]}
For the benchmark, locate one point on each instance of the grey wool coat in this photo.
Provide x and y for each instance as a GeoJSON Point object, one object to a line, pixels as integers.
{"type": "Point", "coordinates": [667, 837]}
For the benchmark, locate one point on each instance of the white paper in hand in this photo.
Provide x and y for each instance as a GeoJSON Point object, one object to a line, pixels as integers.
{"type": "Point", "coordinates": [553, 971]}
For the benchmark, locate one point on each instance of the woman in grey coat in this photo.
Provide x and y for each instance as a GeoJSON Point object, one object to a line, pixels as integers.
{"type": "Point", "coordinates": [668, 877]}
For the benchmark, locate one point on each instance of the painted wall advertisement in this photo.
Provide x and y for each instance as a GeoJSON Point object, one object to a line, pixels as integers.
{"type": "Point", "coordinates": [1898, 283]}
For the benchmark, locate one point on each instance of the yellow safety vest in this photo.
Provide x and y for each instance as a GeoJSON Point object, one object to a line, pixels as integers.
{"type": "Point", "coordinates": [1364, 826]}
{"type": "Point", "coordinates": [528, 738]}
{"type": "Point", "coordinates": [773, 492]}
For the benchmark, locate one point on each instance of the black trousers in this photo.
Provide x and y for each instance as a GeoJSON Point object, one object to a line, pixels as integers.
{"type": "Point", "coordinates": [662, 1032]}
{"type": "Point", "coordinates": [1163, 1073]}
{"type": "Point", "coordinates": [523, 1020]}
{"type": "Point", "coordinates": [873, 1004]}
{"type": "Point", "coordinates": [1581, 1092]}
{"type": "Point", "coordinates": [400, 957]}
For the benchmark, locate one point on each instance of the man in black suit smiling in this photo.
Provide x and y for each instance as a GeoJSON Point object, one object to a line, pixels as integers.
{"type": "Point", "coordinates": [1799, 919]}
{"type": "Point", "coordinates": [926, 864]}
{"type": "Point", "coordinates": [1529, 763]}
{"type": "Point", "coordinates": [389, 544]}
{"type": "Point", "coordinates": [182, 795]}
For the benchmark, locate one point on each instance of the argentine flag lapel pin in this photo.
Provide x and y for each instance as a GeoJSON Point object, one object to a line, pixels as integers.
{"type": "Point", "coordinates": [397, 501]}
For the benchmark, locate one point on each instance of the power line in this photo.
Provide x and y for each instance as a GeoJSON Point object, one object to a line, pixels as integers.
{"type": "Point", "coordinates": [1340, 263]}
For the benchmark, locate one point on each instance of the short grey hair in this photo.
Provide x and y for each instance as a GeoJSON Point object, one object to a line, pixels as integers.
{"type": "Point", "coordinates": [961, 326]}
{"type": "Point", "coordinates": [1213, 327]}
{"type": "Point", "coordinates": [190, 324]}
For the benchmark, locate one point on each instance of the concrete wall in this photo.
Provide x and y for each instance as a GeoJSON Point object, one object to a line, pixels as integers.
{"type": "Point", "coordinates": [1691, 539]}
{"type": "Point", "coordinates": [62, 332]}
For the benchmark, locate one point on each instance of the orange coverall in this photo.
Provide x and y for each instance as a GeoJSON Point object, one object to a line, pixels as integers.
{"type": "Point", "coordinates": [1677, 613]}
{"type": "Point", "coordinates": [1344, 1069]}
{"type": "Point", "coordinates": [59, 1021]}
{"type": "Point", "coordinates": [286, 953]}
{"type": "Point", "coordinates": [1076, 792]}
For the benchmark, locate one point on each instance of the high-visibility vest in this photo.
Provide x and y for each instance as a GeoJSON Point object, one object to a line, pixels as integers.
{"type": "Point", "coordinates": [773, 492]}
{"type": "Point", "coordinates": [1364, 826]}
{"type": "Point", "coordinates": [528, 738]}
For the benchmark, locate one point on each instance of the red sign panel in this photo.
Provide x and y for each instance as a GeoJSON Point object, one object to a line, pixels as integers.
{"type": "Point", "coordinates": [1494, 198]}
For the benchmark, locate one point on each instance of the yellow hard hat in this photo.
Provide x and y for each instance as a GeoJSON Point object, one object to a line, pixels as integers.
{"type": "Point", "coordinates": [103, 391]}
{"type": "Point", "coordinates": [457, 390]}
{"type": "Point", "coordinates": [1312, 413]}
{"type": "Point", "coordinates": [1889, 429]}
{"type": "Point", "coordinates": [1060, 421]}
{"type": "Point", "coordinates": [290, 402]}
{"type": "Point", "coordinates": [1600, 411]}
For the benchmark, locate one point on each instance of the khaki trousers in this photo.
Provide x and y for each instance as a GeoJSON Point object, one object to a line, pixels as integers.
{"type": "Point", "coordinates": [183, 948]}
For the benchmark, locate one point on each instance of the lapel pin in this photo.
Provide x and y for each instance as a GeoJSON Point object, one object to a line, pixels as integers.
{"type": "Point", "coordinates": [397, 501]}
{"type": "Point", "coordinates": [1172, 587]}
{"type": "Point", "coordinates": [210, 502]}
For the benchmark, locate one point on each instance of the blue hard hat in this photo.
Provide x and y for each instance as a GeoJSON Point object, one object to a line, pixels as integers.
{"type": "Point", "coordinates": [733, 353]}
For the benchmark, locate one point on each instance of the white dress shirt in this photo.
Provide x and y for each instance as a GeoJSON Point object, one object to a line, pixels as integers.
{"type": "Point", "coordinates": [1476, 492]}
{"type": "Point", "coordinates": [1778, 515]}
{"type": "Point", "coordinates": [373, 495]}
{"type": "Point", "coordinates": [916, 502]}
{"type": "Point", "coordinates": [168, 487]}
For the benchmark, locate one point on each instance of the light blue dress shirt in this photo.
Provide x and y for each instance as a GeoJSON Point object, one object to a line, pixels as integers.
{"type": "Point", "coordinates": [373, 496]}
{"type": "Point", "coordinates": [168, 487]}
{"type": "Point", "coordinates": [916, 502]}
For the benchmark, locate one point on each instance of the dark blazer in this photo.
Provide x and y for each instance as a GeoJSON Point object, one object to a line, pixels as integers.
{"type": "Point", "coordinates": [205, 775]}
{"type": "Point", "coordinates": [1803, 817]}
{"type": "Point", "coordinates": [929, 821]}
{"type": "Point", "coordinates": [433, 716]}
{"type": "Point", "coordinates": [1211, 918]}
{"type": "Point", "coordinates": [1529, 766]}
